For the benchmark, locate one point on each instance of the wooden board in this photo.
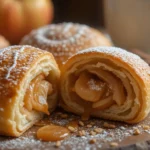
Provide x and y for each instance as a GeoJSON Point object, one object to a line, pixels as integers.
{"type": "Point", "coordinates": [122, 134]}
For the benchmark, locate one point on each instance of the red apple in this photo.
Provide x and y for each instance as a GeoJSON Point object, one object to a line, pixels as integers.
{"type": "Point", "coordinates": [19, 17]}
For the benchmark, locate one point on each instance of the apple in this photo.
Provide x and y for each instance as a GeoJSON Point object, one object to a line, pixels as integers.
{"type": "Point", "coordinates": [19, 17]}
{"type": "Point", "coordinates": [3, 42]}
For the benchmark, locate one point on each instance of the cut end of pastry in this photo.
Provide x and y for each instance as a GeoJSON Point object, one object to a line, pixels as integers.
{"type": "Point", "coordinates": [28, 87]}
{"type": "Point", "coordinates": [106, 82]}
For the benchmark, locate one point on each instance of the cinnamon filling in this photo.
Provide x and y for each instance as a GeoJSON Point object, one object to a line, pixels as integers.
{"type": "Point", "coordinates": [36, 95]}
{"type": "Point", "coordinates": [96, 93]}
{"type": "Point", "coordinates": [52, 133]}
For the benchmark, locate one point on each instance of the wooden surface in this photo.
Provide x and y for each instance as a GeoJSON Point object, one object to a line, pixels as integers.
{"type": "Point", "coordinates": [122, 134]}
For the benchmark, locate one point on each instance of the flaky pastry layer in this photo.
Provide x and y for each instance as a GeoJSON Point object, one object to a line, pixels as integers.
{"type": "Point", "coordinates": [106, 82]}
{"type": "Point", "coordinates": [28, 87]}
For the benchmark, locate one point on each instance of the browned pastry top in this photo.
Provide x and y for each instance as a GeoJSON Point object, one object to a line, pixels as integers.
{"type": "Point", "coordinates": [133, 60]}
{"type": "Point", "coordinates": [13, 72]}
{"type": "Point", "coordinates": [65, 39]}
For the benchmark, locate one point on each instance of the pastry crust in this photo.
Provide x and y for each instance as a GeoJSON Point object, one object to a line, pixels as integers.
{"type": "Point", "coordinates": [19, 66]}
{"type": "Point", "coordinates": [3, 42]}
{"type": "Point", "coordinates": [65, 39]}
{"type": "Point", "coordinates": [125, 74]}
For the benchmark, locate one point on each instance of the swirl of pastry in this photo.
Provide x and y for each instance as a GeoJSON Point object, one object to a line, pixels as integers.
{"type": "Point", "coordinates": [3, 42]}
{"type": "Point", "coordinates": [28, 87]}
{"type": "Point", "coordinates": [65, 39]}
{"type": "Point", "coordinates": [106, 82]}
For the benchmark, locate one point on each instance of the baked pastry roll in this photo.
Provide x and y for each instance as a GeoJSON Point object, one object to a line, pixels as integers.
{"type": "Point", "coordinates": [106, 82]}
{"type": "Point", "coordinates": [28, 87]}
{"type": "Point", "coordinates": [3, 42]}
{"type": "Point", "coordinates": [65, 39]}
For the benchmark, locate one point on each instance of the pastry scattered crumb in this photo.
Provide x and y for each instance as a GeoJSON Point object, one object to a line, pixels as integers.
{"type": "Point", "coordinates": [92, 141]}
{"type": "Point", "coordinates": [92, 133]}
{"type": "Point", "coordinates": [136, 131]}
{"type": "Point", "coordinates": [110, 126]}
{"type": "Point", "coordinates": [72, 129]}
{"type": "Point", "coordinates": [81, 133]}
{"type": "Point", "coordinates": [89, 126]}
{"type": "Point", "coordinates": [92, 123]}
{"type": "Point", "coordinates": [79, 137]}
{"type": "Point", "coordinates": [146, 127]}
{"type": "Point", "coordinates": [114, 144]}
{"type": "Point", "coordinates": [122, 128]}
{"type": "Point", "coordinates": [58, 144]}
{"type": "Point", "coordinates": [81, 123]}
{"type": "Point", "coordinates": [98, 130]}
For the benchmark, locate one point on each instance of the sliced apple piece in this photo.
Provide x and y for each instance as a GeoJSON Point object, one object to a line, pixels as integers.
{"type": "Point", "coordinates": [39, 101]}
{"type": "Point", "coordinates": [103, 104]}
{"type": "Point", "coordinates": [36, 95]}
{"type": "Point", "coordinates": [88, 88]}
{"type": "Point", "coordinates": [115, 84]}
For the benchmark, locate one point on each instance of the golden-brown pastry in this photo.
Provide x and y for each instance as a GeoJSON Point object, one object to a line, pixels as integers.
{"type": "Point", "coordinates": [65, 39]}
{"type": "Point", "coordinates": [106, 82]}
{"type": "Point", "coordinates": [28, 87]}
{"type": "Point", "coordinates": [3, 42]}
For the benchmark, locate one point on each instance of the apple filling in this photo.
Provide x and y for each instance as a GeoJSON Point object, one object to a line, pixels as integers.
{"type": "Point", "coordinates": [36, 95]}
{"type": "Point", "coordinates": [96, 93]}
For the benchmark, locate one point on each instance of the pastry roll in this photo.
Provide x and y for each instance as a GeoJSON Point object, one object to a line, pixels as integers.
{"type": "Point", "coordinates": [65, 39]}
{"type": "Point", "coordinates": [28, 87]}
{"type": "Point", "coordinates": [106, 82]}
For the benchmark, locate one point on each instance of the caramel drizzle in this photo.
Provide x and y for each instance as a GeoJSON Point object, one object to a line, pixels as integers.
{"type": "Point", "coordinates": [87, 111]}
{"type": "Point", "coordinates": [16, 55]}
{"type": "Point", "coordinates": [52, 133]}
{"type": "Point", "coordinates": [103, 101]}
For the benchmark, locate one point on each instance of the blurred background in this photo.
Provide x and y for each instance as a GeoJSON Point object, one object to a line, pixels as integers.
{"type": "Point", "coordinates": [126, 22]}
{"type": "Point", "coordinates": [88, 12]}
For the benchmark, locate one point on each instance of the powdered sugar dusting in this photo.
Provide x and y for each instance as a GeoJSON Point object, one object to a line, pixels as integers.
{"type": "Point", "coordinates": [120, 133]}
{"type": "Point", "coordinates": [65, 39]}
{"type": "Point", "coordinates": [93, 86]}
{"type": "Point", "coordinates": [15, 61]}
{"type": "Point", "coordinates": [3, 50]}
{"type": "Point", "coordinates": [16, 55]}
{"type": "Point", "coordinates": [133, 60]}
{"type": "Point", "coordinates": [42, 100]}
{"type": "Point", "coordinates": [67, 28]}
